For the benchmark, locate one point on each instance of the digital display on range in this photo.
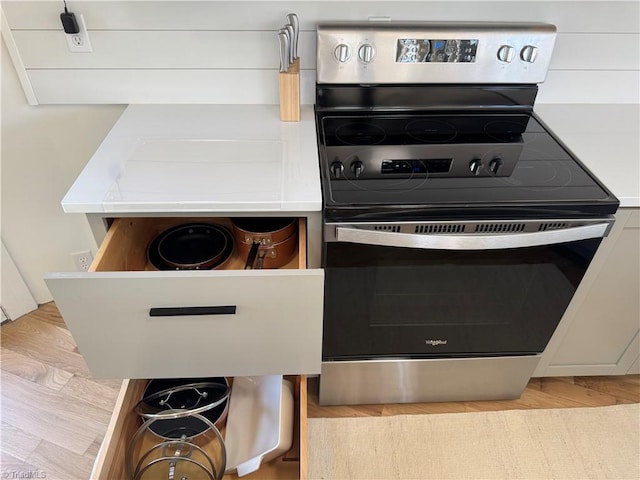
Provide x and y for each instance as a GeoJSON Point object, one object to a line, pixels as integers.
{"type": "Point", "coordinates": [412, 50]}
{"type": "Point", "coordinates": [416, 166]}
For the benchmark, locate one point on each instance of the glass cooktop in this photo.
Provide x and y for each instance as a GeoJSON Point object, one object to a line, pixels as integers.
{"type": "Point", "coordinates": [422, 129]}
{"type": "Point", "coordinates": [375, 163]}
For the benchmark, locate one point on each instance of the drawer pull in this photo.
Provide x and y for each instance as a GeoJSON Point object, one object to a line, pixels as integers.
{"type": "Point", "coordinates": [180, 311]}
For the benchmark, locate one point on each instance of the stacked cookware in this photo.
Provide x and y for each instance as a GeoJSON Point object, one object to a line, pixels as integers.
{"type": "Point", "coordinates": [260, 242]}
{"type": "Point", "coordinates": [180, 436]}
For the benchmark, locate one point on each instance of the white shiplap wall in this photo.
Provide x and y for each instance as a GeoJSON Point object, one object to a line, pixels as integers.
{"type": "Point", "coordinates": [226, 52]}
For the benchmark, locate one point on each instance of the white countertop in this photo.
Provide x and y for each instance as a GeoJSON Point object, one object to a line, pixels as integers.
{"type": "Point", "coordinates": [202, 158]}
{"type": "Point", "coordinates": [242, 158]}
{"type": "Point", "coordinates": [606, 138]}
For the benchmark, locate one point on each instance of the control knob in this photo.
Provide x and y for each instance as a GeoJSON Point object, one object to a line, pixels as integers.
{"type": "Point", "coordinates": [495, 165]}
{"type": "Point", "coordinates": [357, 168]}
{"type": "Point", "coordinates": [342, 53]}
{"type": "Point", "coordinates": [475, 166]}
{"type": "Point", "coordinates": [529, 53]}
{"type": "Point", "coordinates": [365, 53]}
{"type": "Point", "coordinates": [336, 169]}
{"type": "Point", "coordinates": [506, 53]}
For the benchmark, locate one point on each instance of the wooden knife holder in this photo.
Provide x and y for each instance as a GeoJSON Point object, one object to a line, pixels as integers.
{"type": "Point", "coordinates": [290, 93]}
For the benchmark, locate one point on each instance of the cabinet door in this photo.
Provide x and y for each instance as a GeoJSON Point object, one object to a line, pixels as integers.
{"type": "Point", "coordinates": [602, 338]}
{"type": "Point", "coordinates": [272, 323]}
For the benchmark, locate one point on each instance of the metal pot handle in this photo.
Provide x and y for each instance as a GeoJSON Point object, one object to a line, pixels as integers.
{"type": "Point", "coordinates": [165, 401]}
{"type": "Point", "coordinates": [251, 258]}
{"type": "Point", "coordinates": [260, 262]}
{"type": "Point", "coordinates": [143, 408]}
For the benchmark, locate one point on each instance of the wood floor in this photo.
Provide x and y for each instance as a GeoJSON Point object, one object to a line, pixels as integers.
{"type": "Point", "coordinates": [54, 414]}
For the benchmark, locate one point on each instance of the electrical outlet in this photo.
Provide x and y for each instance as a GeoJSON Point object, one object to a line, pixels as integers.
{"type": "Point", "coordinates": [82, 260]}
{"type": "Point", "coordinates": [79, 42]}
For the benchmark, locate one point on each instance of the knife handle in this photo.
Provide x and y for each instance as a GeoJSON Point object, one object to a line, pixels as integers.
{"type": "Point", "coordinates": [292, 18]}
{"type": "Point", "coordinates": [292, 40]}
{"type": "Point", "coordinates": [283, 44]}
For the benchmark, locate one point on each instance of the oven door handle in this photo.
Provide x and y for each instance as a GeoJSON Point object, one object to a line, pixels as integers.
{"type": "Point", "coordinates": [470, 242]}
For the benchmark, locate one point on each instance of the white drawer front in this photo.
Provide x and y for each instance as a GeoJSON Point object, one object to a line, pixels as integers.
{"type": "Point", "coordinates": [276, 328]}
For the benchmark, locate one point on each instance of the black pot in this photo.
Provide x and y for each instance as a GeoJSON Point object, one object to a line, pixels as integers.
{"type": "Point", "coordinates": [191, 246]}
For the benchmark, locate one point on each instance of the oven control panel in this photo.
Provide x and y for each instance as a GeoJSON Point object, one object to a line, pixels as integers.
{"type": "Point", "coordinates": [416, 161]}
{"type": "Point", "coordinates": [450, 53]}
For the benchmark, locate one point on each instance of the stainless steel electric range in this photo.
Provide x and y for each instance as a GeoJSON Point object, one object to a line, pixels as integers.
{"type": "Point", "coordinates": [457, 227]}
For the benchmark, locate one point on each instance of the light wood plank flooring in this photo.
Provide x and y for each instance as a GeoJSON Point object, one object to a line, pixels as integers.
{"type": "Point", "coordinates": [54, 414]}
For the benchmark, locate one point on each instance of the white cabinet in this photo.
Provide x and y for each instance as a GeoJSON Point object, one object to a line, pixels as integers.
{"type": "Point", "coordinates": [258, 322]}
{"type": "Point", "coordinates": [162, 165]}
{"type": "Point", "coordinates": [275, 326]}
{"type": "Point", "coordinates": [599, 334]}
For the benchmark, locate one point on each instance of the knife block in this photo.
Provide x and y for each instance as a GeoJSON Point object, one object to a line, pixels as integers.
{"type": "Point", "coordinates": [290, 93]}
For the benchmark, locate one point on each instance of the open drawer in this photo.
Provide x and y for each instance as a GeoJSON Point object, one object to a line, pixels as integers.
{"type": "Point", "coordinates": [274, 325]}
{"type": "Point", "coordinates": [110, 462]}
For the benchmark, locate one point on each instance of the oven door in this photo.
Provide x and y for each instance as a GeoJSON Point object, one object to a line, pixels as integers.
{"type": "Point", "coordinates": [439, 291]}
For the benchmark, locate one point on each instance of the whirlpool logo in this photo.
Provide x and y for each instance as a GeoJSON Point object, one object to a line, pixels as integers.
{"type": "Point", "coordinates": [435, 343]}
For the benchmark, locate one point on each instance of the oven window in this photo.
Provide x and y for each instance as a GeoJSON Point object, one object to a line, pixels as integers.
{"type": "Point", "coordinates": [390, 301]}
{"type": "Point", "coordinates": [487, 294]}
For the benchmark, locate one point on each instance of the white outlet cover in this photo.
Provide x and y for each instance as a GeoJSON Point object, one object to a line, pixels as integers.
{"type": "Point", "coordinates": [79, 42]}
{"type": "Point", "coordinates": [82, 260]}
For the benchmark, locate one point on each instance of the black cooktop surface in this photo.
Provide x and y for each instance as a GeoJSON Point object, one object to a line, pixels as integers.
{"type": "Point", "coordinates": [497, 164]}
{"type": "Point", "coordinates": [425, 129]}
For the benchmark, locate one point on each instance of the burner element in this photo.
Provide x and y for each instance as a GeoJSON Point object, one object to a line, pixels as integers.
{"type": "Point", "coordinates": [506, 130]}
{"type": "Point", "coordinates": [549, 176]}
{"type": "Point", "coordinates": [360, 133]}
{"type": "Point", "coordinates": [431, 131]}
